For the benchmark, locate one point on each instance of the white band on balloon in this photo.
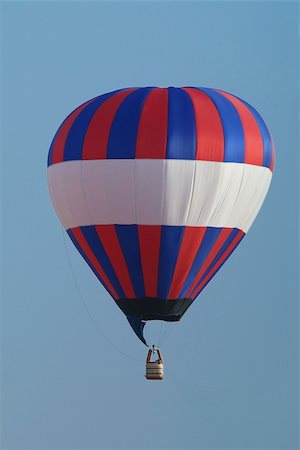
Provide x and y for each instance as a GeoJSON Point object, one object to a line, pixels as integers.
{"type": "Point", "coordinates": [158, 192]}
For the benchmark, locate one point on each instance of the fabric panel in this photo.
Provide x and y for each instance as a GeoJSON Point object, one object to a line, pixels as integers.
{"type": "Point", "coordinates": [124, 128]}
{"type": "Point", "coordinates": [153, 126]}
{"type": "Point", "coordinates": [181, 140]}
{"type": "Point", "coordinates": [234, 139]}
{"type": "Point", "coordinates": [179, 193]}
{"type": "Point", "coordinates": [209, 130]}
{"type": "Point", "coordinates": [97, 134]}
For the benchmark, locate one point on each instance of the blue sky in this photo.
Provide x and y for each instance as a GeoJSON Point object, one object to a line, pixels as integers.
{"type": "Point", "coordinates": [231, 364]}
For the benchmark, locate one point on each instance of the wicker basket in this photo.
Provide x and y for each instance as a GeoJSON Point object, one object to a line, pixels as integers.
{"type": "Point", "coordinates": [154, 369]}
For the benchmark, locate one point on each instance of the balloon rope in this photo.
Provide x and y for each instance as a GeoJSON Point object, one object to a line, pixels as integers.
{"type": "Point", "coordinates": [87, 309]}
{"type": "Point", "coordinates": [167, 332]}
{"type": "Point", "coordinates": [160, 332]}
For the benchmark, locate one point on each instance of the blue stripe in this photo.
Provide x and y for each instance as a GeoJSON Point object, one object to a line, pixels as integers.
{"type": "Point", "coordinates": [234, 139]}
{"type": "Point", "coordinates": [124, 129]}
{"type": "Point", "coordinates": [181, 138]}
{"type": "Point", "coordinates": [75, 139]}
{"type": "Point", "coordinates": [52, 145]}
{"type": "Point", "coordinates": [210, 237]}
{"type": "Point", "coordinates": [171, 237]}
{"type": "Point", "coordinates": [224, 247]}
{"type": "Point", "coordinates": [129, 242]}
{"type": "Point", "coordinates": [230, 253]}
{"type": "Point", "coordinates": [73, 239]}
{"type": "Point", "coordinates": [265, 135]}
{"type": "Point", "coordinates": [95, 244]}
{"type": "Point", "coordinates": [56, 134]}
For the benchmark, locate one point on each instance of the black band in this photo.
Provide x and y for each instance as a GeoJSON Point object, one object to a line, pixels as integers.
{"type": "Point", "coordinates": [149, 308]}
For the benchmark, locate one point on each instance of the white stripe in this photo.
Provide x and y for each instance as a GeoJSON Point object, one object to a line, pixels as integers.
{"type": "Point", "coordinates": [158, 192]}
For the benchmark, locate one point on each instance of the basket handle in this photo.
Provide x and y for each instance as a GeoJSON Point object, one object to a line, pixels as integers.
{"type": "Point", "coordinates": [150, 353]}
{"type": "Point", "coordinates": [159, 355]}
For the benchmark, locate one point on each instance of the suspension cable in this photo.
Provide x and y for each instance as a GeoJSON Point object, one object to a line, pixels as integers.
{"type": "Point", "coordinates": [84, 304]}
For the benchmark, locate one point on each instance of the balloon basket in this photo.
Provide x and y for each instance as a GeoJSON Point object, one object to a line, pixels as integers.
{"type": "Point", "coordinates": [154, 369]}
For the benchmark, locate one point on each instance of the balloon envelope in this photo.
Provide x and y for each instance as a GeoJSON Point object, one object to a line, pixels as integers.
{"type": "Point", "coordinates": [156, 187]}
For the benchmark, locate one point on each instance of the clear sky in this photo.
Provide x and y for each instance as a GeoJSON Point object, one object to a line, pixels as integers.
{"type": "Point", "coordinates": [231, 364]}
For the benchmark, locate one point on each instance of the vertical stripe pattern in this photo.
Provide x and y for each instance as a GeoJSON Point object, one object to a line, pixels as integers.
{"type": "Point", "coordinates": [110, 242]}
{"type": "Point", "coordinates": [234, 139]}
{"type": "Point", "coordinates": [165, 123]}
{"type": "Point", "coordinates": [181, 141]}
{"type": "Point", "coordinates": [209, 130]}
{"type": "Point", "coordinates": [153, 125]}
{"type": "Point", "coordinates": [87, 253]}
{"type": "Point", "coordinates": [97, 133]}
{"type": "Point", "coordinates": [190, 245]}
{"type": "Point", "coordinates": [145, 259]}
{"type": "Point", "coordinates": [57, 148]}
{"type": "Point", "coordinates": [124, 128]}
{"type": "Point", "coordinates": [149, 241]}
{"type": "Point", "coordinates": [218, 264]}
{"type": "Point", "coordinates": [129, 241]}
{"type": "Point", "coordinates": [74, 143]}
{"type": "Point", "coordinates": [154, 261]}
{"type": "Point", "coordinates": [171, 237]}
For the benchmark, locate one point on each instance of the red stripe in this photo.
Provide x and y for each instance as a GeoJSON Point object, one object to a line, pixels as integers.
{"type": "Point", "coordinates": [212, 254]}
{"type": "Point", "coordinates": [221, 261]}
{"type": "Point", "coordinates": [209, 130]}
{"type": "Point", "coordinates": [254, 147]}
{"type": "Point", "coordinates": [97, 135]}
{"type": "Point", "coordinates": [60, 140]}
{"type": "Point", "coordinates": [149, 240]}
{"type": "Point", "coordinates": [109, 239]}
{"type": "Point", "coordinates": [190, 245]}
{"type": "Point", "coordinates": [93, 260]}
{"type": "Point", "coordinates": [153, 126]}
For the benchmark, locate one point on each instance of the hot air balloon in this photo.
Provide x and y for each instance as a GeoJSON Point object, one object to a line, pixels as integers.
{"type": "Point", "coordinates": [156, 187]}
